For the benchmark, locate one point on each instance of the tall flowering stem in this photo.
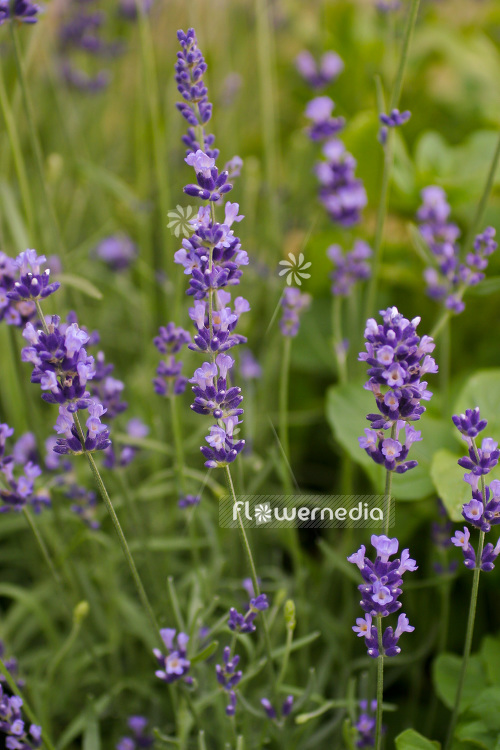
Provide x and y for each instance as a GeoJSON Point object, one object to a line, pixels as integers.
{"type": "Point", "coordinates": [398, 359]}
{"type": "Point", "coordinates": [75, 440]}
{"type": "Point", "coordinates": [388, 160]}
{"type": "Point", "coordinates": [482, 512]}
{"type": "Point", "coordinates": [35, 143]}
{"type": "Point", "coordinates": [469, 241]}
{"type": "Point", "coordinates": [380, 592]}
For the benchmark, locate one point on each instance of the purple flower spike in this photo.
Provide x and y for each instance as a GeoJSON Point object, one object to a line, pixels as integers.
{"type": "Point", "coordinates": [294, 303]}
{"type": "Point", "coordinates": [470, 423]}
{"type": "Point", "coordinates": [398, 359]}
{"type": "Point", "coordinates": [319, 76]}
{"type": "Point", "coordinates": [174, 665]}
{"type": "Point", "coordinates": [380, 593]}
{"type": "Point", "coordinates": [393, 120]}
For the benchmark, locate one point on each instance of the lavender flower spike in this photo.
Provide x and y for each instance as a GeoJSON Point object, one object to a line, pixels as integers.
{"type": "Point", "coordinates": [380, 594]}
{"type": "Point", "coordinates": [393, 120]}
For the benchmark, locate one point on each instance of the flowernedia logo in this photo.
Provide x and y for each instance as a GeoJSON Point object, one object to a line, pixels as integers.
{"type": "Point", "coordinates": [306, 511]}
{"type": "Point", "coordinates": [180, 220]}
{"type": "Point", "coordinates": [294, 269]}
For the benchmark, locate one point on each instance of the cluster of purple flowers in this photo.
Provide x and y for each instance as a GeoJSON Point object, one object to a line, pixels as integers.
{"type": "Point", "coordinates": [15, 313]}
{"type": "Point", "coordinates": [483, 510]}
{"type": "Point", "coordinates": [440, 535]}
{"type": "Point", "coordinates": [22, 11]}
{"type": "Point", "coordinates": [62, 367]}
{"type": "Point", "coordinates": [319, 75]}
{"type": "Point", "coordinates": [118, 251]}
{"type": "Point", "coordinates": [212, 257]}
{"type": "Point", "coordinates": [17, 489]}
{"type": "Point", "coordinates": [286, 708]}
{"type": "Point", "coordinates": [228, 676]}
{"type": "Point", "coordinates": [380, 594]}
{"type": "Point", "coordinates": [81, 32]}
{"type": "Point", "coordinates": [366, 724]}
{"type": "Point", "coordinates": [12, 726]}
{"type": "Point", "coordinates": [447, 282]}
{"type": "Point", "coordinates": [12, 668]}
{"type": "Point", "coordinates": [349, 267]}
{"type": "Point", "coordinates": [393, 120]}
{"type": "Point", "coordinates": [342, 195]}
{"type": "Point", "coordinates": [294, 303]}
{"type": "Point", "coordinates": [174, 665]}
{"type": "Point", "coordinates": [32, 284]}
{"type": "Point", "coordinates": [140, 739]}
{"type": "Point", "coordinates": [398, 358]}
{"type": "Point", "coordinates": [169, 342]}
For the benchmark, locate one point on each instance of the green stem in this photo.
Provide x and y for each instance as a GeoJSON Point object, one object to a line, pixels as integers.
{"type": "Point", "coordinates": [253, 571]}
{"type": "Point", "coordinates": [26, 707]}
{"type": "Point", "coordinates": [17, 153]}
{"type": "Point", "coordinates": [179, 449]}
{"type": "Point", "coordinates": [35, 143]}
{"type": "Point", "coordinates": [286, 657]}
{"type": "Point", "coordinates": [116, 523]}
{"type": "Point", "coordinates": [387, 491]}
{"type": "Point", "coordinates": [468, 642]}
{"type": "Point", "coordinates": [388, 159]}
{"type": "Point", "coordinates": [380, 686]}
{"type": "Point", "coordinates": [338, 341]}
{"type": "Point", "coordinates": [109, 506]}
{"type": "Point", "coordinates": [478, 216]}
{"type": "Point", "coordinates": [283, 413]}
{"type": "Point", "coordinates": [43, 547]}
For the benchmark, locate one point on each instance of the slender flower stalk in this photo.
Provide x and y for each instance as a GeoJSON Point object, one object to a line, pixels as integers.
{"type": "Point", "coordinates": [35, 143]}
{"type": "Point", "coordinates": [42, 738]}
{"type": "Point", "coordinates": [482, 512]}
{"type": "Point", "coordinates": [62, 367]}
{"type": "Point", "coordinates": [388, 160]}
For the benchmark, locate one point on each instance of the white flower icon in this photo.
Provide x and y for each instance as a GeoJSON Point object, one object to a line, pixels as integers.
{"type": "Point", "coordinates": [263, 513]}
{"type": "Point", "coordinates": [180, 220]}
{"type": "Point", "coordinates": [294, 269]}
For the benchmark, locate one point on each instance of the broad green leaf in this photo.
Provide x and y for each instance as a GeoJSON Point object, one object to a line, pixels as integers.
{"type": "Point", "coordinates": [412, 740]}
{"type": "Point", "coordinates": [446, 672]}
{"type": "Point", "coordinates": [447, 477]}
{"type": "Point", "coordinates": [346, 408]}
{"type": "Point", "coordinates": [486, 708]}
{"type": "Point", "coordinates": [483, 390]}
{"type": "Point", "coordinates": [490, 655]}
{"type": "Point", "coordinates": [82, 285]}
{"type": "Point", "coordinates": [206, 653]}
{"type": "Point", "coordinates": [477, 733]}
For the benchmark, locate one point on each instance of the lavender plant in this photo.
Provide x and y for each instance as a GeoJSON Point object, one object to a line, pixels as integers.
{"type": "Point", "coordinates": [380, 598]}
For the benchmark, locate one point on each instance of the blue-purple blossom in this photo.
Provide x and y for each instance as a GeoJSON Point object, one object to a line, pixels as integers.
{"type": "Point", "coordinates": [483, 510]}
{"type": "Point", "coordinates": [174, 665]}
{"type": "Point", "coordinates": [380, 594]}
{"type": "Point", "coordinates": [23, 11]}
{"type": "Point", "coordinates": [228, 676]}
{"type": "Point", "coordinates": [319, 75]}
{"type": "Point", "coordinates": [393, 120]}
{"type": "Point", "coordinates": [366, 724]}
{"type": "Point", "coordinates": [13, 312]}
{"type": "Point", "coordinates": [286, 708]}
{"type": "Point", "coordinates": [349, 267]}
{"type": "Point", "coordinates": [245, 623]}
{"type": "Point", "coordinates": [33, 284]}
{"type": "Point", "coordinates": [18, 480]}
{"type": "Point", "coordinates": [294, 303]}
{"type": "Point", "coordinates": [342, 195]}
{"type": "Point", "coordinates": [12, 668]}
{"type": "Point", "coordinates": [189, 501]}
{"type": "Point", "coordinates": [398, 358]}
{"type": "Point", "coordinates": [140, 738]}
{"type": "Point", "coordinates": [323, 125]}
{"type": "Point", "coordinates": [18, 735]}
{"type": "Point", "coordinates": [250, 368]}
{"type": "Point", "coordinates": [169, 342]}
{"type": "Point", "coordinates": [448, 279]}
{"type": "Point", "coordinates": [117, 251]}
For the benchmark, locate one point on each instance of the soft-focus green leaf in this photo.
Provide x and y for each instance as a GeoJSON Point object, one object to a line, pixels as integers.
{"type": "Point", "coordinates": [78, 282]}
{"type": "Point", "coordinates": [412, 740]}
{"type": "Point", "coordinates": [446, 672]}
{"type": "Point", "coordinates": [447, 477]}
